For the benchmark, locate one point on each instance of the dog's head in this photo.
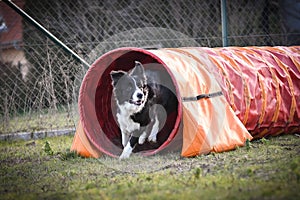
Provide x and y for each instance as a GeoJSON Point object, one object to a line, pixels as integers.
{"type": "Point", "coordinates": [129, 88]}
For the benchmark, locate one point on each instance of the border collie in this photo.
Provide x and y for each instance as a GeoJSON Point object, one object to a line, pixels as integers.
{"type": "Point", "coordinates": [143, 104]}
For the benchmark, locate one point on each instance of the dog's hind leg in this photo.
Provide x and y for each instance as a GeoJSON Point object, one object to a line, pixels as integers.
{"type": "Point", "coordinates": [129, 147]}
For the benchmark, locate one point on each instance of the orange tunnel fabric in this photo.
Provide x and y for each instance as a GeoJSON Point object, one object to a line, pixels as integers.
{"type": "Point", "coordinates": [260, 87]}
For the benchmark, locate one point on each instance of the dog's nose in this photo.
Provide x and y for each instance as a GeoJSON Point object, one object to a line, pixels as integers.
{"type": "Point", "coordinates": [139, 95]}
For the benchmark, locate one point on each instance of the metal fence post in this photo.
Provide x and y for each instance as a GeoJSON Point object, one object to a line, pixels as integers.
{"type": "Point", "coordinates": [224, 23]}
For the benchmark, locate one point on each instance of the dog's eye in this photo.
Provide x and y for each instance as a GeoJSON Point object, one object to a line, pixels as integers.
{"type": "Point", "coordinates": [140, 85]}
{"type": "Point", "coordinates": [129, 87]}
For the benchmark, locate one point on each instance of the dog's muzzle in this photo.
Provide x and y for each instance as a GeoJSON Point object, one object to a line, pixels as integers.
{"type": "Point", "coordinates": [138, 102]}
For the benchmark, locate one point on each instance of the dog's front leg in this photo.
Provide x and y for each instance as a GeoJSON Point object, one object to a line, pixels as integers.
{"type": "Point", "coordinates": [155, 128]}
{"type": "Point", "coordinates": [125, 138]}
{"type": "Point", "coordinates": [143, 137]}
{"type": "Point", "coordinates": [129, 147]}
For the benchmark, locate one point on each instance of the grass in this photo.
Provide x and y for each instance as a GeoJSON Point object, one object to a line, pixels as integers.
{"type": "Point", "coordinates": [45, 169]}
{"type": "Point", "coordinates": [39, 120]}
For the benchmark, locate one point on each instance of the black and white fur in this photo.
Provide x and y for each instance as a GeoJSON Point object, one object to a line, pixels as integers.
{"type": "Point", "coordinates": [143, 105]}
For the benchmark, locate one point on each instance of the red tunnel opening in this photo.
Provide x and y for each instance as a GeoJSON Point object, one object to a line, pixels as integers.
{"type": "Point", "coordinates": [97, 106]}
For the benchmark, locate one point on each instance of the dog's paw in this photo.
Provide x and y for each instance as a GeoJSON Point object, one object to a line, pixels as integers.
{"type": "Point", "coordinates": [126, 152]}
{"type": "Point", "coordinates": [124, 156]}
{"type": "Point", "coordinates": [142, 138]}
{"type": "Point", "coordinates": [152, 138]}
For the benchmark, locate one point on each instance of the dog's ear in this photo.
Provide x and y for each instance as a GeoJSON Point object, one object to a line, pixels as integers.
{"type": "Point", "coordinates": [138, 70]}
{"type": "Point", "coordinates": [116, 75]}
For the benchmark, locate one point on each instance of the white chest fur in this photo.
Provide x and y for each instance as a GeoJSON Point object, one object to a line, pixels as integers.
{"type": "Point", "coordinates": [127, 125]}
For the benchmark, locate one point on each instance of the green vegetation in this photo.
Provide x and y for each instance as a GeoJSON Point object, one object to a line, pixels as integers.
{"type": "Point", "coordinates": [45, 119]}
{"type": "Point", "coordinates": [46, 169]}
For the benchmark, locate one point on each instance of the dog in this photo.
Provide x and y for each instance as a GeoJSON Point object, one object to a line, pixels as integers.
{"type": "Point", "coordinates": [143, 104]}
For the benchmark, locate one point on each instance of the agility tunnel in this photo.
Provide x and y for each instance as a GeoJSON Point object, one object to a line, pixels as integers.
{"type": "Point", "coordinates": [225, 97]}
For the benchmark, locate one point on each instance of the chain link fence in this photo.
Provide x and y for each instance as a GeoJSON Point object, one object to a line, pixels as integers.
{"type": "Point", "coordinates": [39, 81]}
